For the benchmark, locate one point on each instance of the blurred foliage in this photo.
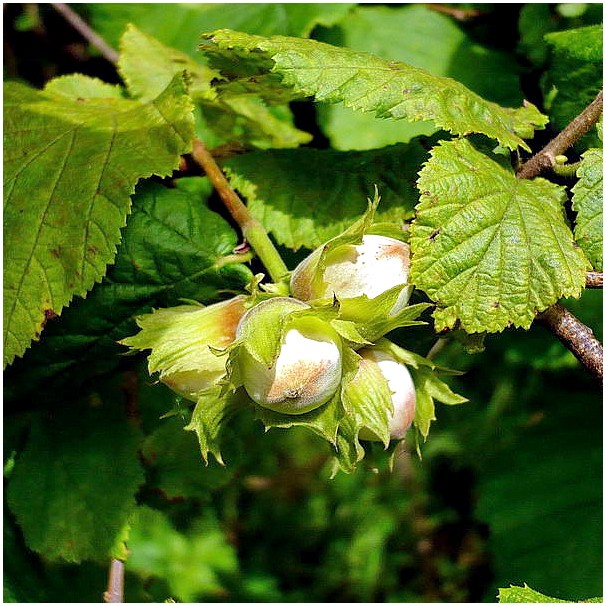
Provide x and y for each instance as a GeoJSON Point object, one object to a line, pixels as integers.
{"type": "Point", "coordinates": [508, 489]}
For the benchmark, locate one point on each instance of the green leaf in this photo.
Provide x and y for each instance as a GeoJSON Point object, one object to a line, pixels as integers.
{"type": "Point", "coordinates": [77, 86]}
{"type": "Point", "coordinates": [179, 25]}
{"type": "Point", "coordinates": [540, 492]}
{"type": "Point", "coordinates": [147, 66]}
{"type": "Point", "coordinates": [173, 248]}
{"type": "Point", "coordinates": [401, 33]}
{"type": "Point", "coordinates": [74, 485]}
{"type": "Point", "coordinates": [193, 563]}
{"type": "Point", "coordinates": [587, 201]}
{"type": "Point", "coordinates": [69, 170]}
{"type": "Point", "coordinates": [491, 250]}
{"type": "Point", "coordinates": [363, 82]}
{"type": "Point", "coordinates": [305, 197]}
{"type": "Point", "coordinates": [575, 74]}
{"type": "Point", "coordinates": [177, 469]}
{"type": "Point", "coordinates": [526, 595]}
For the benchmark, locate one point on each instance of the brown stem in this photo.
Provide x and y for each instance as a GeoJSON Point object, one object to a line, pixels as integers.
{"type": "Point", "coordinates": [460, 14]}
{"type": "Point", "coordinates": [86, 31]}
{"type": "Point", "coordinates": [594, 279]}
{"type": "Point", "coordinates": [576, 129]}
{"type": "Point", "coordinates": [252, 230]}
{"type": "Point", "coordinates": [115, 583]}
{"type": "Point", "coordinates": [577, 337]}
{"type": "Point", "coordinates": [230, 198]}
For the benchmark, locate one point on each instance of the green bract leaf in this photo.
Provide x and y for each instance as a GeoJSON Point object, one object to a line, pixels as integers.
{"type": "Point", "coordinates": [401, 33]}
{"type": "Point", "coordinates": [366, 398]}
{"type": "Point", "coordinates": [305, 197]}
{"type": "Point", "coordinates": [428, 385]}
{"type": "Point", "coordinates": [69, 169]}
{"type": "Point", "coordinates": [213, 409]}
{"type": "Point", "coordinates": [491, 250]}
{"type": "Point", "coordinates": [74, 486]}
{"type": "Point", "coordinates": [182, 342]}
{"type": "Point", "coordinates": [526, 595]}
{"type": "Point", "coordinates": [306, 68]}
{"type": "Point", "coordinates": [588, 201]}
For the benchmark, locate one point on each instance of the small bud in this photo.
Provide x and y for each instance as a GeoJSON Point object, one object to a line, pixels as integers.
{"type": "Point", "coordinates": [304, 371]}
{"type": "Point", "coordinates": [370, 268]}
{"type": "Point", "coordinates": [403, 395]}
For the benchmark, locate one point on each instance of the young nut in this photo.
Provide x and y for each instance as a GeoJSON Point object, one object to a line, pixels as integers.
{"type": "Point", "coordinates": [403, 395]}
{"type": "Point", "coordinates": [181, 338]}
{"type": "Point", "coordinates": [370, 268]}
{"type": "Point", "coordinates": [304, 370]}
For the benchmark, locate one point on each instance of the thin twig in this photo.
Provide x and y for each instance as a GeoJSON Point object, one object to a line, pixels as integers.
{"type": "Point", "coordinates": [594, 279]}
{"type": "Point", "coordinates": [577, 337]}
{"type": "Point", "coordinates": [86, 32]}
{"type": "Point", "coordinates": [460, 14]}
{"type": "Point", "coordinates": [576, 129]}
{"type": "Point", "coordinates": [115, 583]}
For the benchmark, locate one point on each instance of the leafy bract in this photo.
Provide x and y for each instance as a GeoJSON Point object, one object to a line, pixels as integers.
{"type": "Point", "coordinates": [182, 28]}
{"type": "Point", "coordinates": [428, 385]}
{"type": "Point", "coordinates": [74, 485]}
{"type": "Point", "coordinates": [490, 249]}
{"type": "Point", "coordinates": [527, 595]}
{"type": "Point", "coordinates": [70, 166]}
{"type": "Point", "coordinates": [588, 201]}
{"type": "Point", "coordinates": [183, 339]}
{"type": "Point", "coordinates": [282, 67]}
{"type": "Point", "coordinates": [401, 33]}
{"type": "Point", "coordinates": [575, 74]}
{"type": "Point", "coordinates": [305, 197]}
{"type": "Point", "coordinates": [173, 247]}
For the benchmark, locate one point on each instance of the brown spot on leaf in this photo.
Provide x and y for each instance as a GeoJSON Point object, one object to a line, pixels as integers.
{"type": "Point", "coordinates": [434, 234]}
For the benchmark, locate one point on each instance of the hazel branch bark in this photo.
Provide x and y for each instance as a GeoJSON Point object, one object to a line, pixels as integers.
{"type": "Point", "coordinates": [577, 337]}
{"type": "Point", "coordinates": [545, 159]}
{"type": "Point", "coordinates": [252, 230]}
